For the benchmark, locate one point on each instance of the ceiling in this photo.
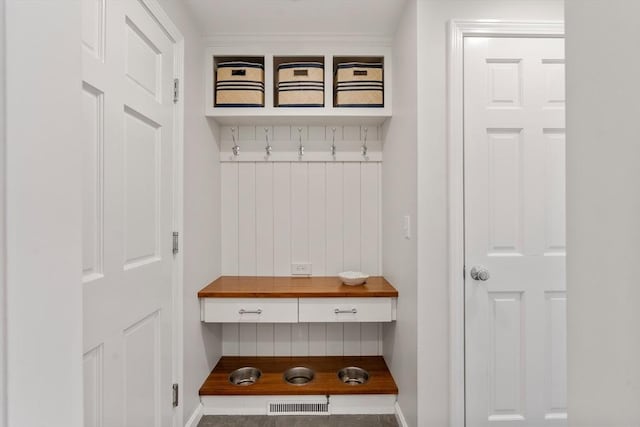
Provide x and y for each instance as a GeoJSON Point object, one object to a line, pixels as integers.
{"type": "Point", "coordinates": [371, 17]}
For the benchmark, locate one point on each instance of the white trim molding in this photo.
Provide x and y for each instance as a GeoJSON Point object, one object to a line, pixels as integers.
{"type": "Point", "coordinates": [364, 404]}
{"type": "Point", "coordinates": [402, 422]}
{"type": "Point", "coordinates": [178, 226]}
{"type": "Point", "coordinates": [158, 12]}
{"type": "Point", "coordinates": [195, 417]}
{"type": "Point", "coordinates": [3, 240]}
{"type": "Point", "coordinates": [285, 41]}
{"type": "Point", "coordinates": [457, 32]}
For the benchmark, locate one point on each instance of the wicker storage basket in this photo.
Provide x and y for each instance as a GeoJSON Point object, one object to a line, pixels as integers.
{"type": "Point", "coordinates": [240, 84]}
{"type": "Point", "coordinates": [301, 84]}
{"type": "Point", "coordinates": [359, 85]}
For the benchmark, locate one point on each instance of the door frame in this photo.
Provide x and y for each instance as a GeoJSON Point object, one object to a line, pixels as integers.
{"type": "Point", "coordinates": [458, 30]}
{"type": "Point", "coordinates": [3, 240]}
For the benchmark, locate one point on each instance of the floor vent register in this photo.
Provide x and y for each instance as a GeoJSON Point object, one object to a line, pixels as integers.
{"type": "Point", "coordinates": [291, 408]}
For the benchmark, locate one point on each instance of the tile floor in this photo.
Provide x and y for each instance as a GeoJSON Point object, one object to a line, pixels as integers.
{"type": "Point", "coordinates": [300, 421]}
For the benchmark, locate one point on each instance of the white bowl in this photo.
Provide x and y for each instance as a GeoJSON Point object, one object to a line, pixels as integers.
{"type": "Point", "coordinates": [353, 278]}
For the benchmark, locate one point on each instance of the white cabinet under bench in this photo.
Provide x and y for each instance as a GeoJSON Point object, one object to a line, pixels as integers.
{"type": "Point", "coordinates": [252, 310]}
{"type": "Point", "coordinates": [346, 310]}
{"type": "Point", "coordinates": [237, 299]}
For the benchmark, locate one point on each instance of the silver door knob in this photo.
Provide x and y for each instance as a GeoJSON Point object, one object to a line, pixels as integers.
{"type": "Point", "coordinates": [480, 273]}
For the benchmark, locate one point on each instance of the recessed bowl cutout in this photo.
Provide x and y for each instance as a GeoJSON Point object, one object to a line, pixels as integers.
{"type": "Point", "coordinates": [353, 375]}
{"type": "Point", "coordinates": [299, 375]}
{"type": "Point", "coordinates": [245, 376]}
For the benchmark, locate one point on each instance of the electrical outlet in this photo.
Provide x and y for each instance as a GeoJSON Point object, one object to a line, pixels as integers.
{"type": "Point", "coordinates": [301, 269]}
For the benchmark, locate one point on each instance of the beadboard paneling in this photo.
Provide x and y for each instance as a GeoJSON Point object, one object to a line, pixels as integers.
{"type": "Point", "coordinates": [281, 246]}
{"type": "Point", "coordinates": [334, 199]}
{"type": "Point", "coordinates": [276, 214]}
{"type": "Point", "coordinates": [302, 339]}
{"type": "Point", "coordinates": [229, 218]}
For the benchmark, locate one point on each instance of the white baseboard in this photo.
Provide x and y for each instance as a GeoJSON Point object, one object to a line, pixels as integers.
{"type": "Point", "coordinates": [339, 404]}
{"type": "Point", "coordinates": [362, 404]}
{"type": "Point", "coordinates": [400, 416]}
{"type": "Point", "coordinates": [195, 418]}
{"type": "Point", "coordinates": [248, 405]}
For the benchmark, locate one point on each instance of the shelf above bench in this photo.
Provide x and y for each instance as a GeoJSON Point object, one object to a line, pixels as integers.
{"type": "Point", "coordinates": [298, 116]}
{"type": "Point", "coordinates": [271, 54]}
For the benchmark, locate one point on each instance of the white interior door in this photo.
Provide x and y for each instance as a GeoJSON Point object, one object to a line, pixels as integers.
{"type": "Point", "coordinates": [128, 128]}
{"type": "Point", "coordinates": [515, 229]}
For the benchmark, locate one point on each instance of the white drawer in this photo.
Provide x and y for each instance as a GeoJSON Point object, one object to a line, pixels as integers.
{"type": "Point", "coordinates": [250, 310]}
{"type": "Point", "coordinates": [346, 309]}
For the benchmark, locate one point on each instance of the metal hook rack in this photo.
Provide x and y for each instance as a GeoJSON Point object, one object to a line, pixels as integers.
{"type": "Point", "coordinates": [268, 149]}
{"type": "Point", "coordinates": [236, 147]}
{"type": "Point", "coordinates": [281, 144]}
{"type": "Point", "coordinates": [333, 142]}
{"type": "Point", "coordinates": [300, 146]}
{"type": "Point", "coordinates": [364, 144]}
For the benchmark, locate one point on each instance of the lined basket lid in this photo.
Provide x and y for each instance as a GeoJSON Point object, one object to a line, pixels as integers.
{"type": "Point", "coordinates": [301, 65]}
{"type": "Point", "coordinates": [360, 65]}
{"type": "Point", "coordinates": [356, 83]}
{"type": "Point", "coordinates": [240, 64]}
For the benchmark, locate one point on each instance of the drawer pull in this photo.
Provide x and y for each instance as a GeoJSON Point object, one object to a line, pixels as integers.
{"type": "Point", "coordinates": [352, 311]}
{"type": "Point", "coordinates": [243, 311]}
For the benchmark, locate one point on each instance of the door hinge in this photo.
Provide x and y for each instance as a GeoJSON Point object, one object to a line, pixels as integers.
{"type": "Point", "coordinates": [176, 90]}
{"type": "Point", "coordinates": [464, 272]}
{"type": "Point", "coordinates": [175, 395]}
{"type": "Point", "coordinates": [176, 242]}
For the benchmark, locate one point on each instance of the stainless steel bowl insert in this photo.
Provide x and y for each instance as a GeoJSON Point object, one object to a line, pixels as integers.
{"type": "Point", "coordinates": [353, 375]}
{"type": "Point", "coordinates": [298, 375]}
{"type": "Point", "coordinates": [245, 376]}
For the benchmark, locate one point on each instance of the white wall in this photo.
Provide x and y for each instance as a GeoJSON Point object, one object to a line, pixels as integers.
{"type": "Point", "coordinates": [603, 208]}
{"type": "Point", "coordinates": [3, 306]}
{"type": "Point", "coordinates": [43, 229]}
{"type": "Point", "coordinates": [399, 198]}
{"type": "Point", "coordinates": [433, 293]}
{"type": "Point", "coordinates": [202, 343]}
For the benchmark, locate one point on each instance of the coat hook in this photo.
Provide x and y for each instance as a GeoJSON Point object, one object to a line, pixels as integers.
{"type": "Point", "coordinates": [300, 146]}
{"type": "Point", "coordinates": [333, 142]}
{"type": "Point", "coordinates": [236, 147]}
{"type": "Point", "coordinates": [268, 148]}
{"type": "Point", "coordinates": [364, 144]}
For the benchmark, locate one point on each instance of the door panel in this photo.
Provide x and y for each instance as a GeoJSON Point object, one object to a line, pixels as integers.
{"type": "Point", "coordinates": [93, 386]}
{"type": "Point", "coordinates": [128, 261]}
{"type": "Point", "coordinates": [93, 184]}
{"type": "Point", "coordinates": [506, 375]}
{"type": "Point", "coordinates": [554, 190]}
{"type": "Point", "coordinates": [556, 351]}
{"type": "Point", "coordinates": [504, 208]}
{"type": "Point", "coordinates": [515, 228]}
{"type": "Point", "coordinates": [142, 381]}
{"type": "Point", "coordinates": [142, 149]}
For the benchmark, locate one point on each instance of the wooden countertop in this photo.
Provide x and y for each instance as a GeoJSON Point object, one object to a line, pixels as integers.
{"type": "Point", "coordinates": [325, 382]}
{"type": "Point", "coordinates": [294, 287]}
